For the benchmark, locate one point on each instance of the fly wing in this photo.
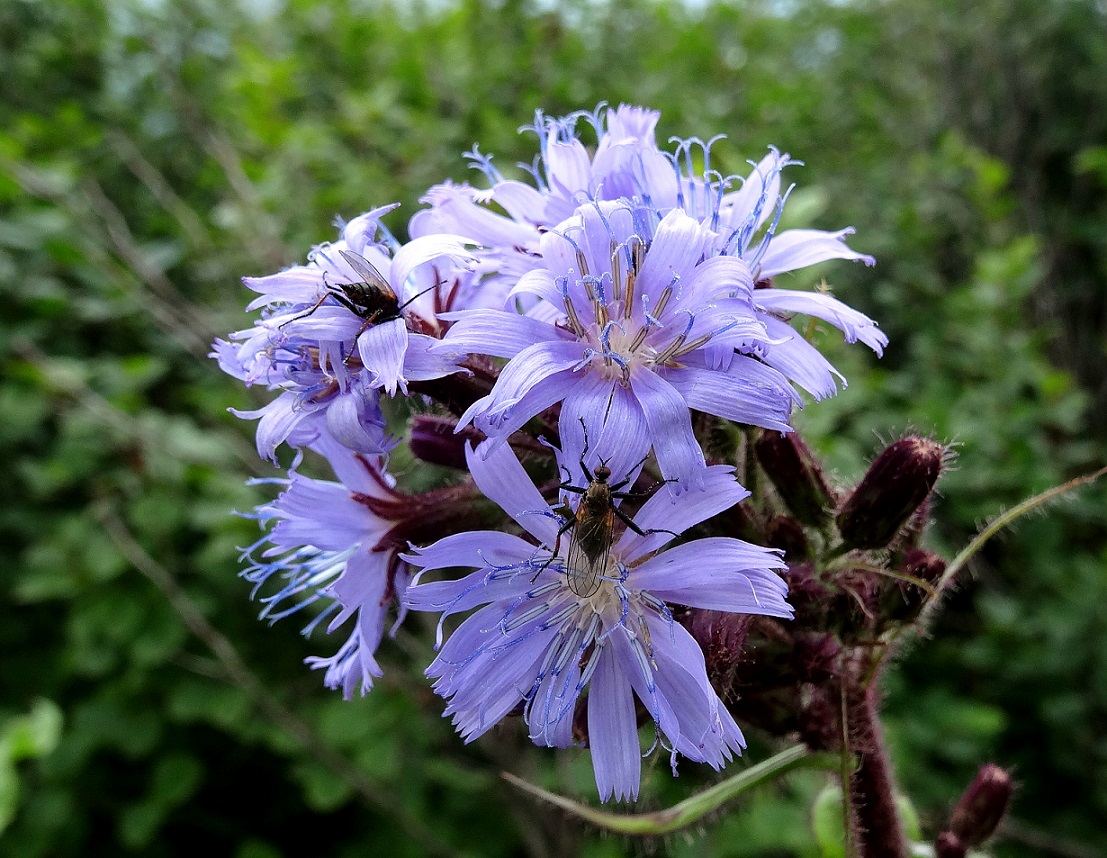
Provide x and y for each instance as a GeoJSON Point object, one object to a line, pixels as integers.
{"type": "Point", "coordinates": [368, 273]}
{"type": "Point", "coordinates": [588, 551]}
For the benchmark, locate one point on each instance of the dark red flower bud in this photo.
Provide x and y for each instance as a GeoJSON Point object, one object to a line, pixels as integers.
{"type": "Point", "coordinates": [949, 845]}
{"type": "Point", "coordinates": [785, 533]}
{"type": "Point", "coordinates": [980, 810]}
{"type": "Point", "coordinates": [896, 485]}
{"type": "Point", "coordinates": [816, 658]}
{"type": "Point", "coordinates": [820, 719]}
{"type": "Point", "coordinates": [808, 596]}
{"type": "Point", "coordinates": [904, 599]}
{"type": "Point", "coordinates": [797, 476]}
{"type": "Point", "coordinates": [721, 636]}
{"type": "Point", "coordinates": [433, 440]}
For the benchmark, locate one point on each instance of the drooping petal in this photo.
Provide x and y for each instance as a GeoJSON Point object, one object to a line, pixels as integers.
{"type": "Point", "coordinates": [683, 687]}
{"type": "Point", "coordinates": [747, 392]}
{"type": "Point", "coordinates": [799, 248]}
{"type": "Point", "coordinates": [613, 731]}
{"type": "Point", "coordinates": [276, 422]}
{"type": "Point", "coordinates": [356, 421]}
{"type": "Point", "coordinates": [422, 361]}
{"type": "Point", "coordinates": [363, 588]}
{"type": "Point", "coordinates": [428, 248]}
{"type": "Point", "coordinates": [533, 365]}
{"type": "Point", "coordinates": [498, 420]}
{"type": "Point", "coordinates": [477, 549]}
{"type": "Point", "coordinates": [346, 522]}
{"type": "Point", "coordinates": [855, 325]}
{"type": "Point", "coordinates": [800, 361]}
{"type": "Point", "coordinates": [497, 333]}
{"type": "Point", "coordinates": [382, 349]}
{"type": "Point", "coordinates": [678, 452]}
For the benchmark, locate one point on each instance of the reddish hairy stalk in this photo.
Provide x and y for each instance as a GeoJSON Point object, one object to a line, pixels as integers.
{"type": "Point", "coordinates": [872, 791]}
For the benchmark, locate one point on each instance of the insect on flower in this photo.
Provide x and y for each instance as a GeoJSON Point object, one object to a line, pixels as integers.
{"type": "Point", "coordinates": [371, 299]}
{"type": "Point", "coordinates": [593, 526]}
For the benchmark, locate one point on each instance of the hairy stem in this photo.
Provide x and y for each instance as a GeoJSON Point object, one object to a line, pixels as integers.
{"type": "Point", "coordinates": [872, 794]}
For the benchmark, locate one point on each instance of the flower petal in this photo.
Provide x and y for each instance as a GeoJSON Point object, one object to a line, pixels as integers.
{"type": "Point", "coordinates": [611, 418]}
{"type": "Point", "coordinates": [382, 349]}
{"type": "Point", "coordinates": [670, 426]}
{"type": "Point", "coordinates": [800, 361]}
{"type": "Point", "coordinates": [540, 362]}
{"type": "Point", "coordinates": [719, 573]}
{"type": "Point", "coordinates": [613, 731]}
{"type": "Point", "coordinates": [678, 244]}
{"type": "Point", "coordinates": [502, 479]}
{"type": "Point", "coordinates": [497, 333]}
{"type": "Point", "coordinates": [747, 392]}
{"type": "Point", "coordinates": [855, 325]}
{"type": "Point", "coordinates": [799, 248]}
{"type": "Point", "coordinates": [427, 248]}
{"type": "Point", "coordinates": [662, 510]}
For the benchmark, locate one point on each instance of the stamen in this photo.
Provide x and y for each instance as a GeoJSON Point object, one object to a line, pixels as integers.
{"type": "Point", "coordinates": [771, 231]}
{"type": "Point", "coordinates": [534, 170]}
{"type": "Point", "coordinates": [666, 294]}
{"type": "Point", "coordinates": [522, 619]}
{"type": "Point", "coordinates": [675, 345]}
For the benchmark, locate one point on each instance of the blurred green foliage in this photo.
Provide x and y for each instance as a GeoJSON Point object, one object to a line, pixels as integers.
{"type": "Point", "coordinates": [153, 153]}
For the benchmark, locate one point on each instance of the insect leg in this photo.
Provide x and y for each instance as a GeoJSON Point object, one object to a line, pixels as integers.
{"type": "Point", "coordinates": [629, 522]}
{"type": "Point", "coordinates": [566, 525]}
{"type": "Point", "coordinates": [314, 307]}
{"type": "Point", "coordinates": [364, 327]}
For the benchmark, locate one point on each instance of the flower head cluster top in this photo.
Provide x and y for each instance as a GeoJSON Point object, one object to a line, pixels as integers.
{"type": "Point", "coordinates": [562, 341]}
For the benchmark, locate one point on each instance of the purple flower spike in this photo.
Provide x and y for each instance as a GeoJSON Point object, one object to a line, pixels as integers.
{"type": "Point", "coordinates": [532, 639]}
{"type": "Point", "coordinates": [355, 321]}
{"type": "Point", "coordinates": [328, 545]}
{"type": "Point", "coordinates": [638, 322]}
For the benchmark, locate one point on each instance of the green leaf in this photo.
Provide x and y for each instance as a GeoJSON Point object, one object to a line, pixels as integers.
{"type": "Point", "coordinates": [828, 822]}
{"type": "Point", "coordinates": [35, 734]}
{"type": "Point", "coordinates": [9, 792]}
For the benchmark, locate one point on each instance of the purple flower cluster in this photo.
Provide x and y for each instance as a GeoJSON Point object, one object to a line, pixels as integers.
{"type": "Point", "coordinates": [609, 302]}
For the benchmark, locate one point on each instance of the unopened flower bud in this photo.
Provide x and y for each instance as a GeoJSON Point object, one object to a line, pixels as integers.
{"type": "Point", "coordinates": [433, 440]}
{"type": "Point", "coordinates": [797, 476]}
{"type": "Point", "coordinates": [980, 810]}
{"type": "Point", "coordinates": [785, 533]}
{"type": "Point", "coordinates": [904, 599]}
{"type": "Point", "coordinates": [721, 635]}
{"type": "Point", "coordinates": [949, 845]}
{"type": "Point", "coordinates": [809, 596]}
{"type": "Point", "coordinates": [816, 658]}
{"type": "Point", "coordinates": [898, 482]}
{"type": "Point", "coordinates": [425, 517]}
{"type": "Point", "coordinates": [820, 715]}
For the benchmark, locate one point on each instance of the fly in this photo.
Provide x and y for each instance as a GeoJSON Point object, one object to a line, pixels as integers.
{"type": "Point", "coordinates": [371, 299]}
{"type": "Point", "coordinates": [593, 527]}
